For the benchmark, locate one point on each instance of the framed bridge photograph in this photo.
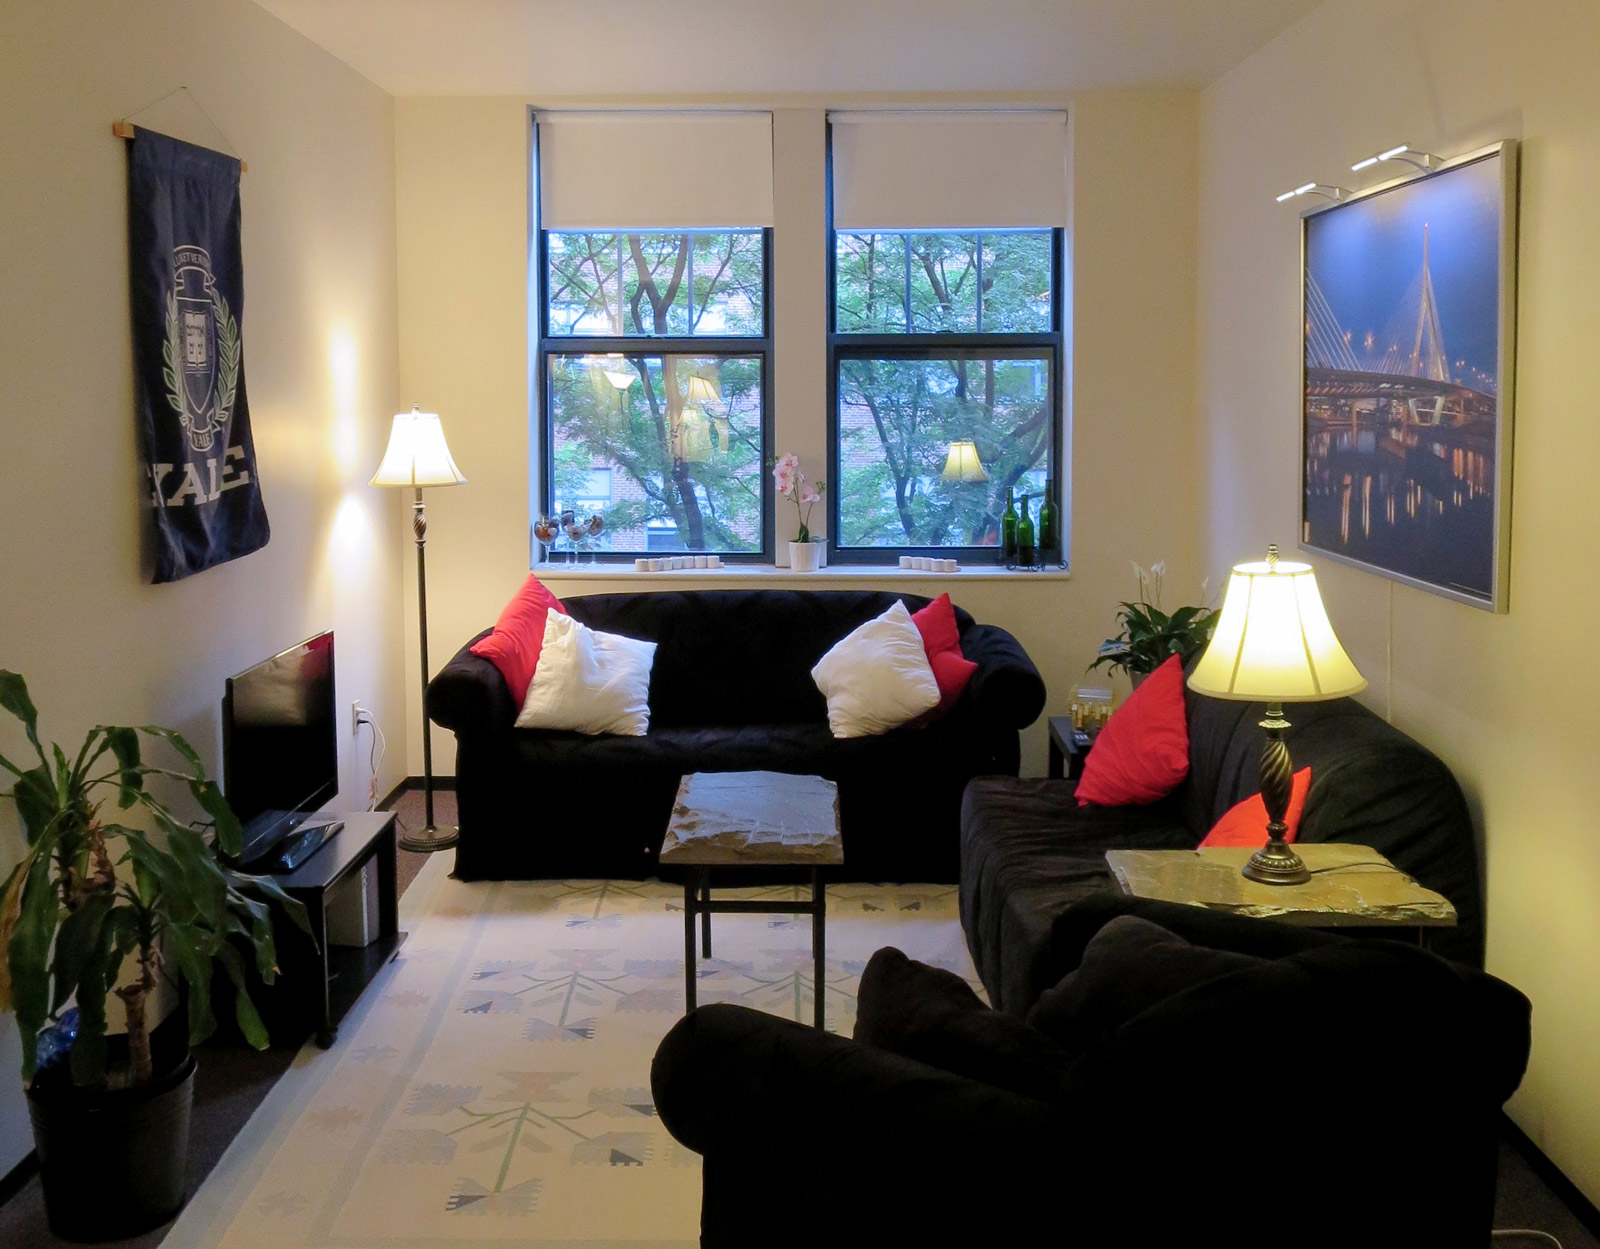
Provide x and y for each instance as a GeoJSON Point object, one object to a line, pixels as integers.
{"type": "Point", "coordinates": [1409, 300]}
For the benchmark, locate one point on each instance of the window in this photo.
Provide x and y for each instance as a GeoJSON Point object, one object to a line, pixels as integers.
{"type": "Point", "coordinates": [655, 353]}
{"type": "Point", "coordinates": [938, 337]}
{"type": "Point", "coordinates": [941, 339]}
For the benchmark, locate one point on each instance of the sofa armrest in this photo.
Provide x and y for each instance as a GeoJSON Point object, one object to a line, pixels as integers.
{"type": "Point", "coordinates": [1075, 927]}
{"type": "Point", "coordinates": [1006, 689]}
{"type": "Point", "coordinates": [469, 696]}
{"type": "Point", "coordinates": [729, 1081]}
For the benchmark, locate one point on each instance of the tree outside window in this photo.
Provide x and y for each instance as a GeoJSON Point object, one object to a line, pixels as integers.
{"type": "Point", "coordinates": [678, 426]}
{"type": "Point", "coordinates": [941, 338]}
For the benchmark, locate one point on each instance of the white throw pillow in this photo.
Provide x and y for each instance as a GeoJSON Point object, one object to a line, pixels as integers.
{"type": "Point", "coordinates": [589, 682]}
{"type": "Point", "coordinates": [877, 677]}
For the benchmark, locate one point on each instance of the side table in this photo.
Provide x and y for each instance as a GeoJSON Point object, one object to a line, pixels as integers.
{"type": "Point", "coordinates": [1351, 886]}
{"type": "Point", "coordinates": [329, 979]}
{"type": "Point", "coordinates": [1068, 746]}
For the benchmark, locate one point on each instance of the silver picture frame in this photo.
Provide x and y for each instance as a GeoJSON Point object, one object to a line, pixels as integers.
{"type": "Point", "coordinates": [1424, 427]}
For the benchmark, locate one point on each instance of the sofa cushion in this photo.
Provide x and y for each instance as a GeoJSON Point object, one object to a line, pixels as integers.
{"type": "Point", "coordinates": [877, 677]}
{"type": "Point", "coordinates": [933, 1016]}
{"type": "Point", "coordinates": [515, 642]}
{"type": "Point", "coordinates": [589, 682]}
{"type": "Point", "coordinates": [1245, 823]}
{"type": "Point", "coordinates": [1128, 966]}
{"type": "Point", "coordinates": [1142, 753]}
{"type": "Point", "coordinates": [941, 640]}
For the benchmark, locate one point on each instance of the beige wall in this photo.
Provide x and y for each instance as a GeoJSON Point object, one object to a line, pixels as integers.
{"type": "Point", "coordinates": [463, 231]}
{"type": "Point", "coordinates": [96, 644]}
{"type": "Point", "coordinates": [1508, 701]}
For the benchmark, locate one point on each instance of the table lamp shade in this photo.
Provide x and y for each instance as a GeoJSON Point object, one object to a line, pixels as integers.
{"type": "Point", "coordinates": [417, 454]}
{"type": "Point", "coordinates": [1273, 642]}
{"type": "Point", "coordinates": [962, 463]}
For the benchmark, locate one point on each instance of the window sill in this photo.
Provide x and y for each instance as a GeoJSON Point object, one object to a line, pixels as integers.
{"type": "Point", "coordinates": [769, 573]}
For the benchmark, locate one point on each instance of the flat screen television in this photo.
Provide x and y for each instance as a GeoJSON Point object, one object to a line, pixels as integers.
{"type": "Point", "coordinates": [280, 754]}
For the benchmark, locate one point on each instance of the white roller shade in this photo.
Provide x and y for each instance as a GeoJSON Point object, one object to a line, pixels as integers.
{"type": "Point", "coordinates": [642, 171]}
{"type": "Point", "coordinates": [937, 171]}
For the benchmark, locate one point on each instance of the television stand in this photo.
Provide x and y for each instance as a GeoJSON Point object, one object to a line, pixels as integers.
{"type": "Point", "coordinates": [333, 977]}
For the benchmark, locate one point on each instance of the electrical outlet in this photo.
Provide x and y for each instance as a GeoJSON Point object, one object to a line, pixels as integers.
{"type": "Point", "coordinates": [358, 713]}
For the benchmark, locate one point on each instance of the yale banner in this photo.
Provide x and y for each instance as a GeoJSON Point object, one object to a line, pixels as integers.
{"type": "Point", "coordinates": [188, 350]}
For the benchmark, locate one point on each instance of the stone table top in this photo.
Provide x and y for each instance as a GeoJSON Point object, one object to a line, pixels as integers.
{"type": "Point", "coordinates": [1351, 886]}
{"type": "Point", "coordinates": [759, 818]}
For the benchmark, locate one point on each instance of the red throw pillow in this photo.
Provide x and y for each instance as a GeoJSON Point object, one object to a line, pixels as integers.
{"type": "Point", "coordinates": [1245, 823]}
{"type": "Point", "coordinates": [518, 636]}
{"type": "Point", "coordinates": [1143, 751]}
{"type": "Point", "coordinates": [941, 639]}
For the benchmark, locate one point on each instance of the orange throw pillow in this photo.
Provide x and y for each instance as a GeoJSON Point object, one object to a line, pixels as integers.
{"type": "Point", "coordinates": [1142, 754]}
{"type": "Point", "coordinates": [1245, 823]}
{"type": "Point", "coordinates": [518, 636]}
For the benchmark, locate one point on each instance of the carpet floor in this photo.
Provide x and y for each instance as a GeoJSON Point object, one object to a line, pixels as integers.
{"type": "Point", "coordinates": [492, 1086]}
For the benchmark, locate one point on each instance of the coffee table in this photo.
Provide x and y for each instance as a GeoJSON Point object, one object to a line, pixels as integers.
{"type": "Point", "coordinates": [733, 820]}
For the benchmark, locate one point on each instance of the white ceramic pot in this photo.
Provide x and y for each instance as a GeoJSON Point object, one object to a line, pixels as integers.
{"type": "Point", "coordinates": [803, 557]}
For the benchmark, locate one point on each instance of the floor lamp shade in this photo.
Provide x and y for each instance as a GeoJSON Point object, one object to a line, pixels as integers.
{"type": "Point", "coordinates": [417, 454]}
{"type": "Point", "coordinates": [961, 463]}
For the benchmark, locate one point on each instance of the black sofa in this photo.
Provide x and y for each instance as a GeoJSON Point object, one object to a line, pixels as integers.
{"type": "Point", "coordinates": [1346, 1092]}
{"type": "Point", "coordinates": [1030, 854]}
{"type": "Point", "coordinates": [731, 690]}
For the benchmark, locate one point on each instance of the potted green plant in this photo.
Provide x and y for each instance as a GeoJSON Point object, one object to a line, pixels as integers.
{"type": "Point", "coordinates": [98, 908]}
{"type": "Point", "coordinates": [1149, 636]}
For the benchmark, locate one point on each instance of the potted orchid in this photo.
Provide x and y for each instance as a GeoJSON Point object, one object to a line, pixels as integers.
{"type": "Point", "coordinates": [795, 486]}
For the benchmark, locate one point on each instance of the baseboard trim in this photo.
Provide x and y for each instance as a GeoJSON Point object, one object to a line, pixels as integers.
{"type": "Point", "coordinates": [1539, 1163]}
{"type": "Point", "coordinates": [16, 1179]}
{"type": "Point", "coordinates": [414, 782]}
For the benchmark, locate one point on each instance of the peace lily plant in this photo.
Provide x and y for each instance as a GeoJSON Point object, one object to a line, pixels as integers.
{"type": "Point", "coordinates": [92, 893]}
{"type": "Point", "coordinates": [1149, 636]}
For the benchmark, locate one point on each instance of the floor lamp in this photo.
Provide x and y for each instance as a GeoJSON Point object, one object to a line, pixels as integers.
{"type": "Point", "coordinates": [1273, 644]}
{"type": "Point", "coordinates": [417, 456]}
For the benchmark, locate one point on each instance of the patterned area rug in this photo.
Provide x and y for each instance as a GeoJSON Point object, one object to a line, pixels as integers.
{"type": "Point", "coordinates": [493, 1084]}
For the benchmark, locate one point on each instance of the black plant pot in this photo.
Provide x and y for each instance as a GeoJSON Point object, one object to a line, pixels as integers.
{"type": "Point", "coordinates": [112, 1163]}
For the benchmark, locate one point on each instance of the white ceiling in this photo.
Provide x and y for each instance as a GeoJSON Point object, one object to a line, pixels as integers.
{"type": "Point", "coordinates": [554, 48]}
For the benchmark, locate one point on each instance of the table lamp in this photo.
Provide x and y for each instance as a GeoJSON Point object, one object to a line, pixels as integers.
{"type": "Point", "coordinates": [1273, 644]}
{"type": "Point", "coordinates": [418, 456]}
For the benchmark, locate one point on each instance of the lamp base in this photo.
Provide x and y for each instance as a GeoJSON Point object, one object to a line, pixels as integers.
{"type": "Point", "coordinates": [1276, 863]}
{"type": "Point", "coordinates": [427, 840]}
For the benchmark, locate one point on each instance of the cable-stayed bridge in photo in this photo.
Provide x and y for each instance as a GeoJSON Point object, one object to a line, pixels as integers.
{"type": "Point", "coordinates": [1406, 370]}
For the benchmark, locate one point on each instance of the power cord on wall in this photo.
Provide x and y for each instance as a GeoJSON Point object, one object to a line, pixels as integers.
{"type": "Point", "coordinates": [1388, 663]}
{"type": "Point", "coordinates": [375, 754]}
{"type": "Point", "coordinates": [1525, 1233]}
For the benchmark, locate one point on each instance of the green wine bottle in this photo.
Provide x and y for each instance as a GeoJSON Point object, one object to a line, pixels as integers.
{"type": "Point", "coordinates": [1025, 536]}
{"type": "Point", "coordinates": [1049, 529]}
{"type": "Point", "coordinates": [1008, 531]}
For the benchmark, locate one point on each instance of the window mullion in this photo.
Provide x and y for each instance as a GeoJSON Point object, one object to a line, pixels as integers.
{"type": "Point", "coordinates": [905, 253]}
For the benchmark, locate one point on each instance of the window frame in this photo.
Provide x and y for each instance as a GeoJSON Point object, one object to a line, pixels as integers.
{"type": "Point", "coordinates": [710, 346]}
{"type": "Point", "coordinates": [912, 345]}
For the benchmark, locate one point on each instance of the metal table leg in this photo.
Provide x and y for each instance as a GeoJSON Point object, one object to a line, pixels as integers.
{"type": "Point", "coordinates": [688, 942]}
{"type": "Point", "coordinates": [819, 912]}
{"type": "Point", "coordinates": [705, 913]}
